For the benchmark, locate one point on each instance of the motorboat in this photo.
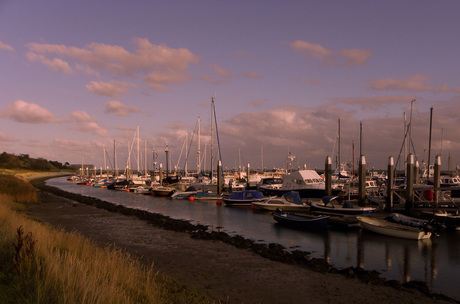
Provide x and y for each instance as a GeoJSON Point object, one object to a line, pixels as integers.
{"type": "Point", "coordinates": [386, 227]}
{"type": "Point", "coordinates": [290, 201]}
{"type": "Point", "coordinates": [329, 205]}
{"type": "Point", "coordinates": [307, 182]}
{"type": "Point", "coordinates": [301, 221]}
{"type": "Point", "coordinates": [244, 198]}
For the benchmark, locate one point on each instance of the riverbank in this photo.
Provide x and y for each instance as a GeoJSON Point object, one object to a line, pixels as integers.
{"type": "Point", "coordinates": [232, 269]}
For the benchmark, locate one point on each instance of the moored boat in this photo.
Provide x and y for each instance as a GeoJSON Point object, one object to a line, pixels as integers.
{"type": "Point", "coordinates": [290, 201]}
{"type": "Point", "coordinates": [385, 227]}
{"type": "Point", "coordinates": [244, 198]}
{"type": "Point", "coordinates": [347, 208]}
{"type": "Point", "coordinates": [301, 221]}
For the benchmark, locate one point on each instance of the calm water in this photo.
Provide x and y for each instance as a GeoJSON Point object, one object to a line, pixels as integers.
{"type": "Point", "coordinates": [435, 261]}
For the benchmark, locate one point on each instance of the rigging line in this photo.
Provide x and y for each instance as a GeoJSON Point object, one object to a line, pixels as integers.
{"type": "Point", "coordinates": [402, 146]}
{"type": "Point", "coordinates": [191, 141]}
{"type": "Point", "coordinates": [217, 134]}
{"type": "Point", "coordinates": [180, 156]}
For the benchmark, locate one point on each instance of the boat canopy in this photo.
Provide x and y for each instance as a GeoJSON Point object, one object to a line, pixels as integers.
{"type": "Point", "coordinates": [328, 199]}
{"type": "Point", "coordinates": [246, 194]}
{"type": "Point", "coordinates": [293, 197]}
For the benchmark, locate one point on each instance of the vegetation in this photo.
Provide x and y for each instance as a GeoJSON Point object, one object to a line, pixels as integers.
{"type": "Point", "coordinates": [41, 265]}
{"type": "Point", "coordinates": [23, 161]}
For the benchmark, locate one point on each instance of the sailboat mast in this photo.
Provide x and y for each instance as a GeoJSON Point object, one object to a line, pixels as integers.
{"type": "Point", "coordinates": [212, 128]}
{"type": "Point", "coordinates": [138, 151]}
{"type": "Point", "coordinates": [339, 164]}
{"type": "Point", "coordinates": [429, 143]}
{"type": "Point", "coordinates": [115, 158]}
{"type": "Point", "coordinates": [186, 154]}
{"type": "Point", "coordinates": [198, 151]}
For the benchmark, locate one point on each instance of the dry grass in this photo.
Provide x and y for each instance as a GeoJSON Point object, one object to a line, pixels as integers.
{"type": "Point", "coordinates": [41, 265]}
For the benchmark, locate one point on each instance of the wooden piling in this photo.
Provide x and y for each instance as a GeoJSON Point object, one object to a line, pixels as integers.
{"type": "Point", "coordinates": [220, 182]}
{"type": "Point", "coordinates": [436, 179]}
{"type": "Point", "coordinates": [247, 176]}
{"type": "Point", "coordinates": [328, 175]}
{"type": "Point", "coordinates": [416, 172]}
{"type": "Point", "coordinates": [161, 174]}
{"type": "Point", "coordinates": [362, 181]}
{"type": "Point", "coordinates": [390, 184]}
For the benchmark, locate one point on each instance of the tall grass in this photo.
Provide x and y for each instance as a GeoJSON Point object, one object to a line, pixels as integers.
{"type": "Point", "coordinates": [19, 190]}
{"type": "Point", "coordinates": [60, 267]}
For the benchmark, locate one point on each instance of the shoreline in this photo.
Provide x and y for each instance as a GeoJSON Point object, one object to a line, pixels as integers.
{"type": "Point", "coordinates": [273, 255]}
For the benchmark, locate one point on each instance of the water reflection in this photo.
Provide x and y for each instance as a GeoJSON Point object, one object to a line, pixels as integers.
{"type": "Point", "coordinates": [433, 261]}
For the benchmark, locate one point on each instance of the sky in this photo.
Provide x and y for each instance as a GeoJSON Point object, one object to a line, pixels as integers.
{"type": "Point", "coordinates": [78, 78]}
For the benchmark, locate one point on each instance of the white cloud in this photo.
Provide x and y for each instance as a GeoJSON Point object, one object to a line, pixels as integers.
{"type": "Point", "coordinates": [343, 57]}
{"type": "Point", "coordinates": [90, 127]}
{"type": "Point", "coordinates": [160, 64]}
{"type": "Point", "coordinates": [6, 47]}
{"type": "Point", "coordinates": [416, 83]}
{"type": "Point", "coordinates": [109, 89]}
{"type": "Point", "coordinates": [22, 111]}
{"type": "Point", "coordinates": [82, 116]}
{"type": "Point", "coordinates": [119, 109]}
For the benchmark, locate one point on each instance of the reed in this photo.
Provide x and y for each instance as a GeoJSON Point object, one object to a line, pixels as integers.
{"type": "Point", "coordinates": [42, 265]}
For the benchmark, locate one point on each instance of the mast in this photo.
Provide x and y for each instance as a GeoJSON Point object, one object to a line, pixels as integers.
{"type": "Point", "coordinates": [145, 157]}
{"type": "Point", "coordinates": [339, 163]}
{"type": "Point", "coordinates": [115, 158]}
{"type": "Point", "coordinates": [212, 128]}
{"type": "Point", "coordinates": [429, 144]}
{"type": "Point", "coordinates": [138, 151]}
{"type": "Point", "coordinates": [186, 154]}
{"type": "Point", "coordinates": [198, 151]}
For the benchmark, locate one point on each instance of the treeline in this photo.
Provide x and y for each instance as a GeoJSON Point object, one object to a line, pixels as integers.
{"type": "Point", "coordinates": [23, 161]}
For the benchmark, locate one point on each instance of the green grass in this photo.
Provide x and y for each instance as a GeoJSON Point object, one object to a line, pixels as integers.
{"type": "Point", "coordinates": [39, 264]}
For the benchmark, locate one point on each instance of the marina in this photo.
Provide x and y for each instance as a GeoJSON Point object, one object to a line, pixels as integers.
{"type": "Point", "coordinates": [434, 261]}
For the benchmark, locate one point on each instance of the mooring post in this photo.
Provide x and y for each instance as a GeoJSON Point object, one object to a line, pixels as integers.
{"type": "Point", "coordinates": [161, 174]}
{"type": "Point", "coordinates": [328, 175]}
{"type": "Point", "coordinates": [247, 176]}
{"type": "Point", "coordinates": [410, 183]}
{"type": "Point", "coordinates": [437, 177]}
{"type": "Point", "coordinates": [416, 172]}
{"type": "Point", "coordinates": [362, 181]}
{"type": "Point", "coordinates": [219, 177]}
{"type": "Point", "coordinates": [390, 183]}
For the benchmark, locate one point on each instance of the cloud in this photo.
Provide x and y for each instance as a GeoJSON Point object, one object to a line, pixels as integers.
{"type": "Point", "coordinates": [6, 47]}
{"type": "Point", "coordinates": [109, 89]}
{"type": "Point", "coordinates": [22, 111]}
{"type": "Point", "coordinates": [55, 64]}
{"type": "Point", "coordinates": [6, 138]}
{"type": "Point", "coordinates": [81, 116]}
{"type": "Point", "coordinates": [412, 83]}
{"type": "Point", "coordinates": [119, 109]}
{"type": "Point", "coordinates": [90, 127]}
{"type": "Point", "coordinates": [373, 103]}
{"type": "Point", "coordinates": [258, 102]}
{"type": "Point", "coordinates": [160, 64]}
{"type": "Point", "coordinates": [344, 57]}
{"type": "Point", "coordinates": [252, 75]}
{"type": "Point", "coordinates": [223, 75]}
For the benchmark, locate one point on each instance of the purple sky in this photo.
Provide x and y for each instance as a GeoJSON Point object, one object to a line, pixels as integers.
{"type": "Point", "coordinates": [77, 75]}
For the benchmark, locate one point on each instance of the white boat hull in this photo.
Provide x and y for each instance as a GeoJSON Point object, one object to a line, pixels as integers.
{"type": "Point", "coordinates": [392, 229]}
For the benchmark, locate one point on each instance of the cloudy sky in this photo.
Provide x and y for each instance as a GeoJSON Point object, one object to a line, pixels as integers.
{"type": "Point", "coordinates": [75, 76]}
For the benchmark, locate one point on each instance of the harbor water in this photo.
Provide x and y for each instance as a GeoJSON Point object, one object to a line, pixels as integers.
{"type": "Point", "coordinates": [435, 261]}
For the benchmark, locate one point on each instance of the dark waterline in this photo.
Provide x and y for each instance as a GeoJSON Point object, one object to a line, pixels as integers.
{"type": "Point", "coordinates": [435, 261]}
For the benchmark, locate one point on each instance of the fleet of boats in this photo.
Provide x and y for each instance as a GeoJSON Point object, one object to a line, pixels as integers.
{"type": "Point", "coordinates": [297, 199]}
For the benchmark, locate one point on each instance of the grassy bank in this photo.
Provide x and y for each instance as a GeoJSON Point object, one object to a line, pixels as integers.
{"type": "Point", "coordinates": [41, 265]}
